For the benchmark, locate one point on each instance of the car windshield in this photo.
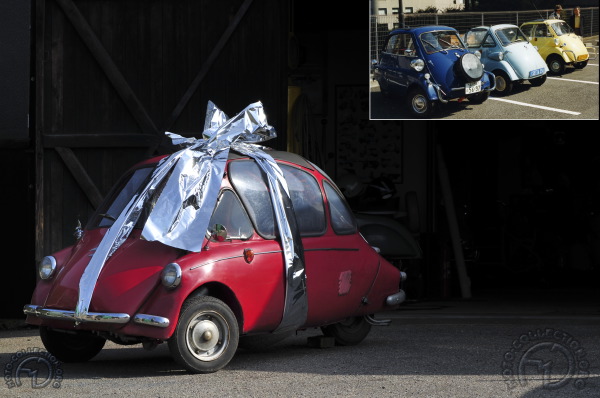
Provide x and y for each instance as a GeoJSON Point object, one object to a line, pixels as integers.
{"type": "Point", "coordinates": [119, 196]}
{"type": "Point", "coordinates": [510, 35]}
{"type": "Point", "coordinates": [561, 28]}
{"type": "Point", "coordinates": [440, 40]}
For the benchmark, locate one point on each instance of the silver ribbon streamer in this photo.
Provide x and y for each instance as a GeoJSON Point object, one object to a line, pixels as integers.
{"type": "Point", "coordinates": [184, 207]}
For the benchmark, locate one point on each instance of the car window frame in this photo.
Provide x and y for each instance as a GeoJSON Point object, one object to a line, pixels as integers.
{"type": "Point", "coordinates": [222, 192]}
{"type": "Point", "coordinates": [345, 204]}
{"type": "Point", "coordinates": [317, 186]}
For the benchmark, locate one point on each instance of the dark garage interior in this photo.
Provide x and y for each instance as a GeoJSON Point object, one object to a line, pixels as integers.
{"type": "Point", "coordinates": [84, 99]}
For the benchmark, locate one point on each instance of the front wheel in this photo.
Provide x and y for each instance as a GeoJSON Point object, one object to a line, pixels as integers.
{"type": "Point", "coordinates": [556, 65]}
{"type": "Point", "coordinates": [538, 81]}
{"type": "Point", "coordinates": [350, 331]}
{"type": "Point", "coordinates": [71, 346]}
{"type": "Point", "coordinates": [418, 103]}
{"type": "Point", "coordinates": [503, 83]}
{"type": "Point", "coordinates": [206, 336]}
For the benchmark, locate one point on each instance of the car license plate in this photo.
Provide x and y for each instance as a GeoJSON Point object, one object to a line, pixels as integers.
{"type": "Point", "coordinates": [471, 88]}
{"type": "Point", "coordinates": [536, 72]}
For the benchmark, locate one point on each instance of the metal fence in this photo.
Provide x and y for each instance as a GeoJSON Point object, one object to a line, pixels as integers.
{"type": "Point", "coordinates": [381, 25]}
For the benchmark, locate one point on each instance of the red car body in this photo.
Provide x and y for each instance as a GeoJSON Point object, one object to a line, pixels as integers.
{"type": "Point", "coordinates": [345, 276]}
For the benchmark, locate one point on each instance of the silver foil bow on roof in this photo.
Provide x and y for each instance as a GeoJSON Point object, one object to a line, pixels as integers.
{"type": "Point", "coordinates": [190, 180]}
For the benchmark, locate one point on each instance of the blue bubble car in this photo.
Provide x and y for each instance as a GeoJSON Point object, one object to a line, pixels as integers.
{"type": "Point", "coordinates": [506, 52]}
{"type": "Point", "coordinates": [429, 65]}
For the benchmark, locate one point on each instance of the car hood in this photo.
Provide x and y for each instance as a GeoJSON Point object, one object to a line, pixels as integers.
{"type": "Point", "coordinates": [127, 279]}
{"type": "Point", "coordinates": [441, 67]}
{"type": "Point", "coordinates": [573, 43]}
{"type": "Point", "coordinates": [523, 58]}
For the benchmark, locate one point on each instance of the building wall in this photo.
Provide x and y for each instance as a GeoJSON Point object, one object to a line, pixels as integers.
{"type": "Point", "coordinates": [415, 5]}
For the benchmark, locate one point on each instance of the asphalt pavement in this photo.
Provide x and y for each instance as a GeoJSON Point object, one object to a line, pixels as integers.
{"type": "Point", "coordinates": [501, 344]}
{"type": "Point", "coordinates": [573, 95]}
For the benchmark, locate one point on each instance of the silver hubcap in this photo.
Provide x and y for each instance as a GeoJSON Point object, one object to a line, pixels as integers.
{"type": "Point", "coordinates": [555, 66]}
{"type": "Point", "coordinates": [500, 83]}
{"type": "Point", "coordinates": [419, 103]}
{"type": "Point", "coordinates": [207, 336]}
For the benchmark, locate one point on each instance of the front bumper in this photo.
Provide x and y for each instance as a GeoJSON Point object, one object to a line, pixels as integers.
{"type": "Point", "coordinates": [94, 317]}
{"type": "Point", "coordinates": [458, 92]}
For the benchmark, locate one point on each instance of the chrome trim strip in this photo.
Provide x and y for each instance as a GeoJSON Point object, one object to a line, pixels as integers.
{"type": "Point", "coordinates": [151, 320]}
{"type": "Point", "coordinates": [396, 298]}
{"type": "Point", "coordinates": [232, 257]}
{"type": "Point", "coordinates": [64, 315]}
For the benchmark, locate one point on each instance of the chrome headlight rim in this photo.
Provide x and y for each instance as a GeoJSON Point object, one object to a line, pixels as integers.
{"type": "Point", "coordinates": [171, 276]}
{"type": "Point", "coordinates": [417, 64]}
{"type": "Point", "coordinates": [47, 267]}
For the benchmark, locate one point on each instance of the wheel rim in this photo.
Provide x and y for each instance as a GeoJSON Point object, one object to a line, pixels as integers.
{"type": "Point", "coordinates": [500, 83]}
{"type": "Point", "coordinates": [207, 336]}
{"type": "Point", "coordinates": [555, 66]}
{"type": "Point", "coordinates": [419, 103]}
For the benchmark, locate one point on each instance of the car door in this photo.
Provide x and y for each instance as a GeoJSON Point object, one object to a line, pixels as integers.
{"type": "Point", "coordinates": [340, 265]}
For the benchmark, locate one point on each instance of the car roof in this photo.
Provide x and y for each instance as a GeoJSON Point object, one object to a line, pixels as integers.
{"type": "Point", "coordinates": [543, 20]}
{"type": "Point", "coordinates": [277, 155]}
{"type": "Point", "coordinates": [421, 29]}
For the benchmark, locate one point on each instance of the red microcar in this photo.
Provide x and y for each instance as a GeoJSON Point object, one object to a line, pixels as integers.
{"type": "Point", "coordinates": [245, 279]}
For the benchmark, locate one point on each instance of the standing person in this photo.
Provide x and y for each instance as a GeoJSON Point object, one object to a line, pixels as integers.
{"type": "Point", "coordinates": [576, 21]}
{"type": "Point", "coordinates": [557, 11]}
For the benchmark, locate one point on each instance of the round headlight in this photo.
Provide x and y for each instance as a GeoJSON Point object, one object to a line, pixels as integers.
{"type": "Point", "coordinates": [47, 267]}
{"type": "Point", "coordinates": [556, 42]}
{"type": "Point", "coordinates": [171, 276]}
{"type": "Point", "coordinates": [417, 64]}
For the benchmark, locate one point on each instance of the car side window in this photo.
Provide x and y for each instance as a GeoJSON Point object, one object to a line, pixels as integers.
{"type": "Point", "coordinates": [489, 41]}
{"type": "Point", "coordinates": [342, 219]}
{"type": "Point", "coordinates": [541, 30]}
{"type": "Point", "coordinates": [391, 44]}
{"type": "Point", "coordinates": [247, 178]}
{"type": "Point", "coordinates": [307, 201]}
{"type": "Point", "coordinates": [528, 30]}
{"type": "Point", "coordinates": [230, 213]}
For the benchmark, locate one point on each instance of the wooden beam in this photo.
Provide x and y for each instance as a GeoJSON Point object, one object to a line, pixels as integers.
{"type": "Point", "coordinates": [108, 66]}
{"type": "Point", "coordinates": [81, 176]}
{"type": "Point", "coordinates": [99, 140]}
{"type": "Point", "coordinates": [207, 64]}
{"type": "Point", "coordinates": [40, 18]}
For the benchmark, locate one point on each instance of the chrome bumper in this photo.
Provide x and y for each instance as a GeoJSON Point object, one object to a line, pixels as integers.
{"type": "Point", "coordinates": [396, 298]}
{"type": "Point", "coordinates": [94, 317]}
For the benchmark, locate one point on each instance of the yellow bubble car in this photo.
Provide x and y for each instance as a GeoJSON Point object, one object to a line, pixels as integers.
{"type": "Point", "coordinates": [558, 45]}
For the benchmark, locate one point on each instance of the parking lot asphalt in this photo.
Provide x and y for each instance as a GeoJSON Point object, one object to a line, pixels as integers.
{"type": "Point", "coordinates": [573, 95]}
{"type": "Point", "coordinates": [500, 344]}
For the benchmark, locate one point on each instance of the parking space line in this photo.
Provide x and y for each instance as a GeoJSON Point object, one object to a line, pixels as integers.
{"type": "Point", "coordinates": [536, 106]}
{"type": "Point", "coordinates": [571, 80]}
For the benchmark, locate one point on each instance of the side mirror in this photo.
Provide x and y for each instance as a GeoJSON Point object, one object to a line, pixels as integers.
{"type": "Point", "coordinates": [218, 233]}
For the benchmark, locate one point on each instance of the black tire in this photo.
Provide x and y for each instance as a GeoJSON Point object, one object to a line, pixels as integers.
{"type": "Point", "coordinates": [71, 347]}
{"type": "Point", "coordinates": [580, 65]}
{"type": "Point", "coordinates": [556, 64]}
{"type": "Point", "coordinates": [538, 81]}
{"type": "Point", "coordinates": [351, 331]}
{"type": "Point", "coordinates": [206, 336]}
{"type": "Point", "coordinates": [479, 98]}
{"type": "Point", "coordinates": [503, 83]}
{"type": "Point", "coordinates": [418, 103]}
{"type": "Point", "coordinates": [469, 67]}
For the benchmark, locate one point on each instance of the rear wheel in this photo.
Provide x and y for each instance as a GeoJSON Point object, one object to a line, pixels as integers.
{"type": "Point", "coordinates": [556, 64]}
{"type": "Point", "coordinates": [538, 81]}
{"type": "Point", "coordinates": [71, 346]}
{"type": "Point", "coordinates": [418, 103]}
{"type": "Point", "coordinates": [503, 83]}
{"type": "Point", "coordinates": [206, 336]}
{"type": "Point", "coordinates": [350, 331]}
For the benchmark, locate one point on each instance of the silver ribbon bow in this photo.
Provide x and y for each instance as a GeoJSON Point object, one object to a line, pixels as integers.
{"type": "Point", "coordinates": [184, 206]}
